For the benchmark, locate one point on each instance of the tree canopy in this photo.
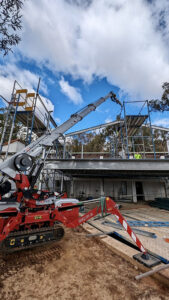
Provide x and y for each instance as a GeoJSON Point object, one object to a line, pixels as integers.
{"type": "Point", "coordinates": [10, 23]}
{"type": "Point", "coordinates": [163, 104]}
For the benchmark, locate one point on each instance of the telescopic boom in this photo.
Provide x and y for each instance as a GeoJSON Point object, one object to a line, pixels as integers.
{"type": "Point", "coordinates": [23, 161]}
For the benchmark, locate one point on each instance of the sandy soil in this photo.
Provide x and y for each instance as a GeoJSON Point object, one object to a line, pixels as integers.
{"type": "Point", "coordinates": [75, 268]}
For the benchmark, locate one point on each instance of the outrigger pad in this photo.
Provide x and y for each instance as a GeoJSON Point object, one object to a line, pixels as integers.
{"type": "Point", "coordinates": [147, 259]}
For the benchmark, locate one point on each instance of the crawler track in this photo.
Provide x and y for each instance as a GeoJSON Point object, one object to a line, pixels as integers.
{"type": "Point", "coordinates": [26, 239]}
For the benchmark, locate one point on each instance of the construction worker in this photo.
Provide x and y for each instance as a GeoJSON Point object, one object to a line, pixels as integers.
{"type": "Point", "coordinates": [137, 156]}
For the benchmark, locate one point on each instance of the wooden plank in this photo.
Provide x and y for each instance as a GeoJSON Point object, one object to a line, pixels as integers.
{"type": "Point", "coordinates": [29, 95]}
{"type": "Point", "coordinates": [22, 91]}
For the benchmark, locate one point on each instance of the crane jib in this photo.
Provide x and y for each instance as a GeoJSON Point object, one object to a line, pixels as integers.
{"type": "Point", "coordinates": [19, 161]}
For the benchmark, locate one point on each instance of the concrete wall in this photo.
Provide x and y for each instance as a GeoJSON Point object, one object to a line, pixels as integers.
{"type": "Point", "coordinates": [87, 188]}
{"type": "Point", "coordinates": [92, 187]}
{"type": "Point", "coordinates": [123, 190]}
{"type": "Point", "coordinates": [153, 190]}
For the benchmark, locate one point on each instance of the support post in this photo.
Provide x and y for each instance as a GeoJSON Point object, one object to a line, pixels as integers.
{"type": "Point", "coordinates": [82, 152]}
{"type": "Point", "coordinates": [61, 184]}
{"type": "Point", "coordinates": [134, 192]}
{"type": "Point", "coordinates": [33, 118]}
{"type": "Point", "coordinates": [12, 126]}
{"type": "Point", "coordinates": [151, 130]}
{"type": "Point", "coordinates": [41, 175]}
{"type": "Point", "coordinates": [133, 141]}
{"type": "Point", "coordinates": [143, 141]}
{"type": "Point", "coordinates": [64, 147]}
{"type": "Point", "coordinates": [56, 148]}
{"type": "Point", "coordinates": [72, 188]}
{"type": "Point", "coordinates": [102, 187]}
{"type": "Point", "coordinates": [166, 187]}
{"type": "Point", "coordinates": [126, 130]}
{"type": "Point", "coordinates": [54, 180]}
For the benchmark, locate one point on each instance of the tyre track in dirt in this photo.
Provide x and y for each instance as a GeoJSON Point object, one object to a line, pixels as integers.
{"type": "Point", "coordinates": [11, 263]}
{"type": "Point", "coordinates": [74, 268]}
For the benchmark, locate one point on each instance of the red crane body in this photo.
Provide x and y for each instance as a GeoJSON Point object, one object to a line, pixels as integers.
{"type": "Point", "coordinates": [31, 214]}
{"type": "Point", "coordinates": [30, 217]}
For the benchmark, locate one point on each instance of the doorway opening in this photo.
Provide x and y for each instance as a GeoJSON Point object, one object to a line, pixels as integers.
{"type": "Point", "coordinates": [139, 191]}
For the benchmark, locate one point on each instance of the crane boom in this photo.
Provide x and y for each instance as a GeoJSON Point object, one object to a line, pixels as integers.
{"type": "Point", "coordinates": [23, 160]}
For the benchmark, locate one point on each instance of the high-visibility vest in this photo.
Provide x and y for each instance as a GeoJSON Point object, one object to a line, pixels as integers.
{"type": "Point", "coordinates": [137, 156]}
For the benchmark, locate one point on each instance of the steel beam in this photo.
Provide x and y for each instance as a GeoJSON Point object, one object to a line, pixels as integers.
{"type": "Point", "coordinates": [114, 168]}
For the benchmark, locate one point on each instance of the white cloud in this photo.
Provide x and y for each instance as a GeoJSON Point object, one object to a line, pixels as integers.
{"type": "Point", "coordinates": [162, 122]}
{"type": "Point", "coordinates": [27, 80]}
{"type": "Point", "coordinates": [98, 130]}
{"type": "Point", "coordinates": [120, 40]}
{"type": "Point", "coordinates": [42, 111]}
{"type": "Point", "coordinates": [71, 92]}
{"type": "Point", "coordinates": [58, 120]}
{"type": "Point", "coordinates": [108, 120]}
{"type": "Point", "coordinates": [99, 110]}
{"type": "Point", "coordinates": [10, 72]}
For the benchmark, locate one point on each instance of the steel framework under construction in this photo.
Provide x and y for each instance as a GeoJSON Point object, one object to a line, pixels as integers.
{"type": "Point", "coordinates": [128, 135]}
{"type": "Point", "coordinates": [25, 108]}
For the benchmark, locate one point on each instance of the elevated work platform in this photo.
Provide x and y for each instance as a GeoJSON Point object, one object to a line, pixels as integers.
{"type": "Point", "coordinates": [38, 126]}
{"type": "Point", "coordinates": [133, 122]}
{"type": "Point", "coordinates": [27, 110]}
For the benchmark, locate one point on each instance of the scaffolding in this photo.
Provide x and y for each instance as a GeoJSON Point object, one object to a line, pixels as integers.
{"type": "Point", "coordinates": [25, 108]}
{"type": "Point", "coordinates": [130, 136]}
{"type": "Point", "coordinates": [134, 139]}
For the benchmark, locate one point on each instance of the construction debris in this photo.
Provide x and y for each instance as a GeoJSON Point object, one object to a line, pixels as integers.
{"type": "Point", "coordinates": [162, 203]}
{"type": "Point", "coordinates": [148, 224]}
{"type": "Point", "coordinates": [141, 232]}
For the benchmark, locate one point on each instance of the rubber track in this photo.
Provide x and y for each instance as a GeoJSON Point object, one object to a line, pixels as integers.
{"type": "Point", "coordinates": [29, 232]}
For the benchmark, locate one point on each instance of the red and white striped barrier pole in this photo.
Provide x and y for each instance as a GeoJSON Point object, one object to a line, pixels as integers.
{"type": "Point", "coordinates": [112, 208]}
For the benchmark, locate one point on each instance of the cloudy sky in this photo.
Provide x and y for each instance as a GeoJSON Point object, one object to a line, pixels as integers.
{"type": "Point", "coordinates": [82, 49]}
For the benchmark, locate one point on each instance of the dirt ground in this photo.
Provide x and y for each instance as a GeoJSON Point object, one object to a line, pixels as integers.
{"type": "Point", "coordinates": [75, 268]}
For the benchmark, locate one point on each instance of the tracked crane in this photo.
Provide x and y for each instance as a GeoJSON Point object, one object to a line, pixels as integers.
{"type": "Point", "coordinates": [30, 217]}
